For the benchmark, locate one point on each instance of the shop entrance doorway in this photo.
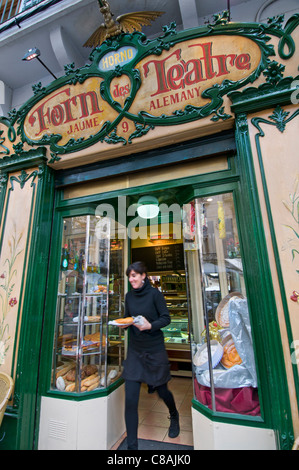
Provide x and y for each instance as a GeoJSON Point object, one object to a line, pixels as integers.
{"type": "Point", "coordinates": [161, 248]}
{"type": "Point", "coordinates": [195, 260]}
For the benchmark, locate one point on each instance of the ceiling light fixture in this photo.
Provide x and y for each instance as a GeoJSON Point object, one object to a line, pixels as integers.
{"type": "Point", "coordinates": [148, 207]}
{"type": "Point", "coordinates": [34, 53]}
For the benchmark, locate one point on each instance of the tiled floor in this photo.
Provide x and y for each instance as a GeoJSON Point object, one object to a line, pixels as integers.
{"type": "Point", "coordinates": [153, 413]}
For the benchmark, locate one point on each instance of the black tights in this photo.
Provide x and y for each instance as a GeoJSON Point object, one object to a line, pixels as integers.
{"type": "Point", "coordinates": [131, 408]}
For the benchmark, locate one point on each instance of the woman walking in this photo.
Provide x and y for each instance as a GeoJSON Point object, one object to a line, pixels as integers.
{"type": "Point", "coordinates": [147, 359]}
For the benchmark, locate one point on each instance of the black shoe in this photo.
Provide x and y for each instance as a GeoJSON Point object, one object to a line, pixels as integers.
{"type": "Point", "coordinates": [174, 428]}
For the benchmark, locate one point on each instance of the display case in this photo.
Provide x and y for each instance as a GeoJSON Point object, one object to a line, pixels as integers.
{"type": "Point", "coordinates": [223, 361]}
{"type": "Point", "coordinates": [173, 287]}
{"type": "Point", "coordinates": [88, 352]}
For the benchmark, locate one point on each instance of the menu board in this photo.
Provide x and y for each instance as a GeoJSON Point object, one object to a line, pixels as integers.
{"type": "Point", "coordinates": [161, 258]}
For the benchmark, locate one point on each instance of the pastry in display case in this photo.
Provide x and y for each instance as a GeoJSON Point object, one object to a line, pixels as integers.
{"type": "Point", "coordinates": [176, 332]}
{"type": "Point", "coordinates": [88, 352]}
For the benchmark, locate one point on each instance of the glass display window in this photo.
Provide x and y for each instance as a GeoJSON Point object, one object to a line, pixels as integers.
{"type": "Point", "coordinates": [88, 351]}
{"type": "Point", "coordinates": [223, 362]}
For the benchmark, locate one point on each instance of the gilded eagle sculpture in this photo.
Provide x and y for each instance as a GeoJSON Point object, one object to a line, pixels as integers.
{"type": "Point", "coordinates": [127, 23]}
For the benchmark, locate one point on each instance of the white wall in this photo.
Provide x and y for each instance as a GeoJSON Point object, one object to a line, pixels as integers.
{"type": "Point", "coordinates": [91, 424]}
{"type": "Point", "coordinates": [210, 435]}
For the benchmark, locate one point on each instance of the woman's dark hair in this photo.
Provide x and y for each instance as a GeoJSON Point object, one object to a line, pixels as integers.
{"type": "Point", "coordinates": [139, 267]}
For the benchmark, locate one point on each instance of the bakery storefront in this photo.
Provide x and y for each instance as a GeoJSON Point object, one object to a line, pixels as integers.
{"type": "Point", "coordinates": [179, 151]}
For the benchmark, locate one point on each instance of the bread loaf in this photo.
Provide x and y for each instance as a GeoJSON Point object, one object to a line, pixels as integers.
{"type": "Point", "coordinates": [71, 375]}
{"type": "Point", "coordinates": [95, 338]}
{"type": "Point", "coordinates": [93, 386]}
{"type": "Point", "coordinates": [230, 356]}
{"type": "Point", "coordinates": [89, 382]}
{"type": "Point", "coordinates": [93, 376]}
{"type": "Point", "coordinates": [60, 383]}
{"type": "Point", "coordinates": [90, 369]}
{"type": "Point", "coordinates": [70, 388]}
{"type": "Point", "coordinates": [94, 318]}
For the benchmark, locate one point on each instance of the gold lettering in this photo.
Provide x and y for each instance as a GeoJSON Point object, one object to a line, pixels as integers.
{"type": "Point", "coordinates": [105, 63]}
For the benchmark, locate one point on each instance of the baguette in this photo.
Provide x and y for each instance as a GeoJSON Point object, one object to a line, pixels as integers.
{"type": "Point", "coordinates": [94, 318]}
{"type": "Point", "coordinates": [70, 388]}
{"type": "Point", "coordinates": [64, 370]}
{"type": "Point", "coordinates": [93, 386]}
{"type": "Point", "coordinates": [93, 376]}
{"type": "Point", "coordinates": [89, 382]}
{"type": "Point", "coordinates": [124, 321]}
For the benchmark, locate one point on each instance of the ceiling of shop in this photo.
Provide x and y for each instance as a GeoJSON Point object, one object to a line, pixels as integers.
{"type": "Point", "coordinates": [61, 30]}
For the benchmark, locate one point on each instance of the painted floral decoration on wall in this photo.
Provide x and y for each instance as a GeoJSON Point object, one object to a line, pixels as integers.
{"type": "Point", "coordinates": [293, 207]}
{"type": "Point", "coordinates": [7, 301]}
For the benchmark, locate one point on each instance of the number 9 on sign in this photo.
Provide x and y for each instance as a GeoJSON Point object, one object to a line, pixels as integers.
{"type": "Point", "coordinates": [125, 126]}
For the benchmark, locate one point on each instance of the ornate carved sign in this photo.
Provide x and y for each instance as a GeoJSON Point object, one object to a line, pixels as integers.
{"type": "Point", "coordinates": [134, 84]}
{"type": "Point", "coordinates": [166, 83]}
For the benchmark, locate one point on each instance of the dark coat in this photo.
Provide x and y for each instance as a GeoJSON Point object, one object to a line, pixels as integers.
{"type": "Point", "coordinates": [147, 359]}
